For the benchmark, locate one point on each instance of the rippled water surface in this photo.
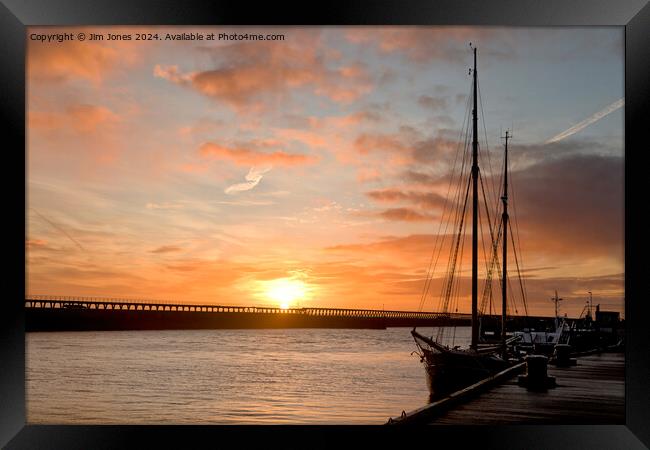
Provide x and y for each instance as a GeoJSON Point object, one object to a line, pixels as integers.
{"type": "Point", "coordinates": [296, 376]}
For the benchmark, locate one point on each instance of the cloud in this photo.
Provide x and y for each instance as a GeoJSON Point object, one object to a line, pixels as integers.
{"type": "Point", "coordinates": [406, 215]}
{"type": "Point", "coordinates": [427, 44]}
{"type": "Point", "coordinates": [588, 121]}
{"type": "Point", "coordinates": [35, 243]}
{"type": "Point", "coordinates": [424, 199]}
{"type": "Point", "coordinates": [247, 203]}
{"type": "Point", "coordinates": [86, 118]}
{"type": "Point", "coordinates": [417, 177]}
{"type": "Point", "coordinates": [164, 206]}
{"type": "Point", "coordinates": [433, 103]}
{"type": "Point", "coordinates": [410, 244]}
{"type": "Point", "coordinates": [166, 249]}
{"type": "Point", "coordinates": [74, 60]}
{"type": "Point", "coordinates": [408, 145]}
{"type": "Point", "coordinates": [83, 118]}
{"type": "Point", "coordinates": [77, 136]}
{"type": "Point", "coordinates": [330, 206]}
{"type": "Point", "coordinates": [244, 156]}
{"type": "Point", "coordinates": [571, 207]}
{"type": "Point", "coordinates": [368, 174]}
{"type": "Point", "coordinates": [435, 149]}
{"type": "Point", "coordinates": [310, 138]}
{"type": "Point", "coordinates": [251, 76]}
{"type": "Point", "coordinates": [203, 126]}
{"type": "Point", "coordinates": [253, 178]}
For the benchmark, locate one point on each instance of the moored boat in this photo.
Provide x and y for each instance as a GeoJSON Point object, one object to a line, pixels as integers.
{"type": "Point", "coordinates": [451, 367]}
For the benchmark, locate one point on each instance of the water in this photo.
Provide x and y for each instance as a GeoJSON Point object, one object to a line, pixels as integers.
{"type": "Point", "coordinates": [292, 376]}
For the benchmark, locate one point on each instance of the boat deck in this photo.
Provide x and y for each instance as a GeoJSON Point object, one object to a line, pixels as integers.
{"type": "Point", "coordinates": [591, 392]}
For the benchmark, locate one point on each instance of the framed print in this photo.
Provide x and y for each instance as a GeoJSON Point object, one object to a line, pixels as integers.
{"type": "Point", "coordinates": [308, 221]}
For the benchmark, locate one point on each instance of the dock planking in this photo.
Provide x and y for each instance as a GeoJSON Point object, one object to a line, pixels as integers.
{"type": "Point", "coordinates": [591, 392]}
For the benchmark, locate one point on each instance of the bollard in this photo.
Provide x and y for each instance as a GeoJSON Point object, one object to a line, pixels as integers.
{"type": "Point", "coordinates": [536, 373]}
{"type": "Point", "coordinates": [562, 356]}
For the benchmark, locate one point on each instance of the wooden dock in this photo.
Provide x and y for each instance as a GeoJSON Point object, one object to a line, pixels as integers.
{"type": "Point", "coordinates": [591, 392]}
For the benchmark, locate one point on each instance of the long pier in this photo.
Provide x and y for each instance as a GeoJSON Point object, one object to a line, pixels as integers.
{"type": "Point", "coordinates": [57, 313]}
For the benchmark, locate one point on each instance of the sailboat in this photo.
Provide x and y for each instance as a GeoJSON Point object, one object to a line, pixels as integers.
{"type": "Point", "coordinates": [452, 367]}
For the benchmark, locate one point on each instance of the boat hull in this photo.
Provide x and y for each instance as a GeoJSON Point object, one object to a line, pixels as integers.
{"type": "Point", "coordinates": [447, 372]}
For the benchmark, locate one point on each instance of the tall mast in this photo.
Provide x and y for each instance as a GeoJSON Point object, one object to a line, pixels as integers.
{"type": "Point", "coordinates": [504, 278]}
{"type": "Point", "coordinates": [475, 215]}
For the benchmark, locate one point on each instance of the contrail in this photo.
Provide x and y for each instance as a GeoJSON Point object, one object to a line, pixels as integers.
{"type": "Point", "coordinates": [585, 123]}
{"type": "Point", "coordinates": [58, 228]}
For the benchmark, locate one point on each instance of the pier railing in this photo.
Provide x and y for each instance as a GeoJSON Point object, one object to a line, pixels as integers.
{"type": "Point", "coordinates": [102, 303]}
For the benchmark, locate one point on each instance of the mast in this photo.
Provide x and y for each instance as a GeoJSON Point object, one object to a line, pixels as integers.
{"type": "Point", "coordinates": [474, 214]}
{"type": "Point", "coordinates": [504, 278]}
{"type": "Point", "coordinates": [556, 300]}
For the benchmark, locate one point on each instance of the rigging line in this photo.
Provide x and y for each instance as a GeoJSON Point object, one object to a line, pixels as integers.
{"type": "Point", "coordinates": [490, 227]}
{"type": "Point", "coordinates": [489, 261]}
{"type": "Point", "coordinates": [496, 209]}
{"type": "Point", "coordinates": [460, 215]}
{"type": "Point", "coordinates": [514, 210]}
{"type": "Point", "coordinates": [449, 258]}
{"type": "Point", "coordinates": [521, 277]}
{"type": "Point", "coordinates": [455, 252]}
{"type": "Point", "coordinates": [430, 272]}
{"type": "Point", "coordinates": [460, 267]}
{"type": "Point", "coordinates": [495, 248]}
{"type": "Point", "coordinates": [457, 220]}
{"type": "Point", "coordinates": [511, 297]}
{"type": "Point", "coordinates": [456, 280]}
{"type": "Point", "coordinates": [487, 146]}
{"type": "Point", "coordinates": [496, 257]}
{"type": "Point", "coordinates": [482, 115]}
{"type": "Point", "coordinates": [487, 210]}
{"type": "Point", "coordinates": [456, 295]}
{"type": "Point", "coordinates": [487, 286]}
{"type": "Point", "coordinates": [512, 290]}
{"type": "Point", "coordinates": [456, 198]}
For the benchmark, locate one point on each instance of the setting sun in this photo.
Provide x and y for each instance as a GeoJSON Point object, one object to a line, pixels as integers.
{"type": "Point", "coordinates": [285, 291]}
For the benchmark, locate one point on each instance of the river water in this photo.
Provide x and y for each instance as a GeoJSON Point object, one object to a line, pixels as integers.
{"type": "Point", "coordinates": [286, 376]}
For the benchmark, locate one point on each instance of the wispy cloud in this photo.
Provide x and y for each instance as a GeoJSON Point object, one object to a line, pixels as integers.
{"type": "Point", "coordinates": [588, 121]}
{"type": "Point", "coordinates": [247, 203]}
{"type": "Point", "coordinates": [163, 206]}
{"type": "Point", "coordinates": [166, 249]}
{"type": "Point", "coordinates": [247, 156]}
{"type": "Point", "coordinates": [253, 178]}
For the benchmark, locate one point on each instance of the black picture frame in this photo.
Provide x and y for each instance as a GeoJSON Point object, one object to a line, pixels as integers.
{"type": "Point", "coordinates": [634, 15]}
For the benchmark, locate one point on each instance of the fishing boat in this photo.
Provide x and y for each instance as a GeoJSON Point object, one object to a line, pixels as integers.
{"type": "Point", "coordinates": [544, 342]}
{"type": "Point", "coordinates": [449, 367]}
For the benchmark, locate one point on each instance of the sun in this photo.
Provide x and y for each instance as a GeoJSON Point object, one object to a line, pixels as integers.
{"type": "Point", "coordinates": [285, 291]}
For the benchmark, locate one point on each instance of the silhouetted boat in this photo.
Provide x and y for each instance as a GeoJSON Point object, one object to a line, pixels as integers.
{"type": "Point", "coordinates": [451, 367]}
{"type": "Point", "coordinates": [542, 341]}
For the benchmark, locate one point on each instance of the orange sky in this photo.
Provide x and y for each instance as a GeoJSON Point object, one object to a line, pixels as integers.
{"type": "Point", "coordinates": [208, 171]}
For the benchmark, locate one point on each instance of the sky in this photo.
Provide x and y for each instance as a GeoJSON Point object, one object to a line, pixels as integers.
{"type": "Point", "coordinates": [312, 171]}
